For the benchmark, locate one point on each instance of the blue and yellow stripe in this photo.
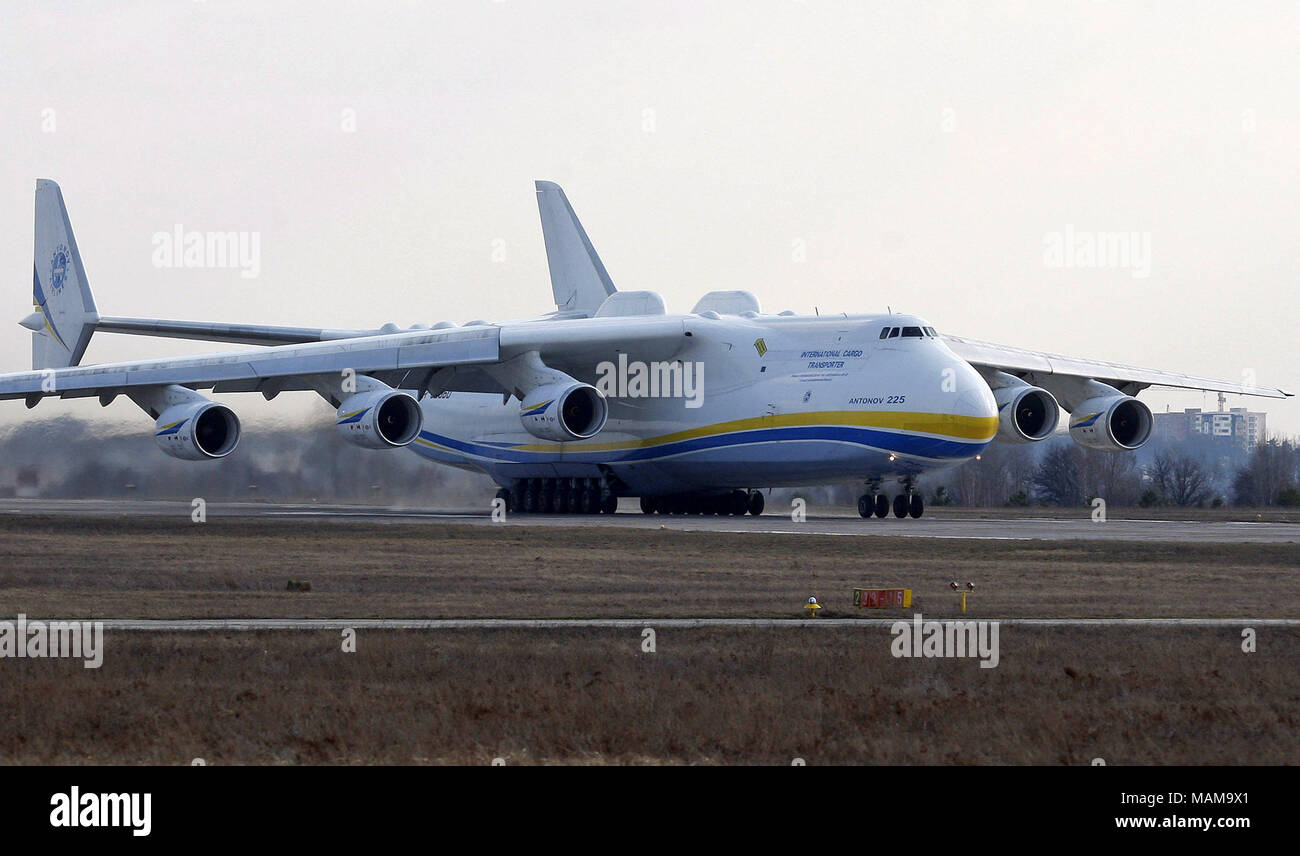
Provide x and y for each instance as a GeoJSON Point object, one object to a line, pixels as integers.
{"type": "Point", "coordinates": [354, 416]}
{"type": "Point", "coordinates": [930, 435]}
{"type": "Point", "coordinates": [171, 428]}
{"type": "Point", "coordinates": [537, 409]}
{"type": "Point", "coordinates": [38, 300]}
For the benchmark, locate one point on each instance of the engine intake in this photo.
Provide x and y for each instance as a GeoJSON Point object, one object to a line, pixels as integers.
{"type": "Point", "coordinates": [1115, 424]}
{"type": "Point", "coordinates": [1026, 414]}
{"type": "Point", "coordinates": [557, 411]}
{"type": "Point", "coordinates": [381, 419]}
{"type": "Point", "coordinates": [197, 431]}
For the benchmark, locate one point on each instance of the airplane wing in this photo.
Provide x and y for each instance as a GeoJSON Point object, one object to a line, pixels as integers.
{"type": "Point", "coordinates": [235, 334]}
{"type": "Point", "coordinates": [421, 360]}
{"type": "Point", "coordinates": [1128, 379]}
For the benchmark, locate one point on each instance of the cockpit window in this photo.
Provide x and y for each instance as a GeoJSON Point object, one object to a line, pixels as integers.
{"type": "Point", "coordinates": [893, 332]}
{"type": "Point", "coordinates": [884, 332]}
{"type": "Point", "coordinates": [929, 331]}
{"type": "Point", "coordinates": [912, 332]}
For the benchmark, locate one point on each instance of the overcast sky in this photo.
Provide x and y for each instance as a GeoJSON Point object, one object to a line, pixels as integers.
{"type": "Point", "coordinates": [847, 156]}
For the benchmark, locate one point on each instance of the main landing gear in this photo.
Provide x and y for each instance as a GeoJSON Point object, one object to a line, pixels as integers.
{"type": "Point", "coordinates": [905, 504]}
{"type": "Point", "coordinates": [736, 503]}
{"type": "Point", "coordinates": [559, 496]}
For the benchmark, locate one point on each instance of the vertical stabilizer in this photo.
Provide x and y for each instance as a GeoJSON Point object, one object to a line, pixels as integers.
{"type": "Point", "coordinates": [578, 277]}
{"type": "Point", "coordinates": [65, 313]}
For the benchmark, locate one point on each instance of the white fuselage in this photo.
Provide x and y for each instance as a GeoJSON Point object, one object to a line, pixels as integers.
{"type": "Point", "coordinates": [776, 401]}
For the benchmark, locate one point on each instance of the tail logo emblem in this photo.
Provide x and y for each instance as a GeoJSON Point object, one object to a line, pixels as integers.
{"type": "Point", "coordinates": [58, 268]}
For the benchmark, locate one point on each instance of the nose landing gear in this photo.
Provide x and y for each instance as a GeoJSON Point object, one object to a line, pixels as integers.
{"type": "Point", "coordinates": [874, 502]}
{"type": "Point", "coordinates": [906, 504]}
{"type": "Point", "coordinates": [900, 505]}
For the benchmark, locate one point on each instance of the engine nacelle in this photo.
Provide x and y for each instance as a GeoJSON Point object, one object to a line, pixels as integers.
{"type": "Point", "coordinates": [380, 419]}
{"type": "Point", "coordinates": [197, 431]}
{"type": "Point", "coordinates": [1117, 423]}
{"type": "Point", "coordinates": [1026, 414]}
{"type": "Point", "coordinates": [559, 411]}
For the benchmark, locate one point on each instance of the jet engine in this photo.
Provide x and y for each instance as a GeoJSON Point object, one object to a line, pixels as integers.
{"type": "Point", "coordinates": [197, 431]}
{"type": "Point", "coordinates": [380, 419]}
{"type": "Point", "coordinates": [560, 411]}
{"type": "Point", "coordinates": [1117, 423]}
{"type": "Point", "coordinates": [1026, 414]}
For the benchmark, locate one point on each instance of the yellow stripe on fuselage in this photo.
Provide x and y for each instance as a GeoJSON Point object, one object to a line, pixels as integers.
{"type": "Point", "coordinates": [976, 428]}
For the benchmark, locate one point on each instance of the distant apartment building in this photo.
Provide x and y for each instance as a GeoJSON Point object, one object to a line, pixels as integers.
{"type": "Point", "coordinates": [1240, 427]}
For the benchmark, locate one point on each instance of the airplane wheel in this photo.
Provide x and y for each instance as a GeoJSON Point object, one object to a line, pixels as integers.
{"type": "Point", "coordinates": [917, 507]}
{"type": "Point", "coordinates": [756, 503]}
{"type": "Point", "coordinates": [515, 504]}
{"type": "Point", "coordinates": [694, 505]}
{"type": "Point", "coordinates": [900, 505]}
{"type": "Point", "coordinates": [647, 505]}
{"type": "Point", "coordinates": [865, 506]}
{"type": "Point", "coordinates": [530, 498]}
{"type": "Point", "coordinates": [882, 505]}
{"type": "Point", "coordinates": [609, 505]}
{"type": "Point", "coordinates": [589, 500]}
{"type": "Point", "coordinates": [739, 503]}
{"type": "Point", "coordinates": [573, 500]}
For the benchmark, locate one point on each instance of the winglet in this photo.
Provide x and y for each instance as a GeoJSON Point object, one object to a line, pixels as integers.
{"type": "Point", "coordinates": [578, 277]}
{"type": "Point", "coordinates": [61, 294]}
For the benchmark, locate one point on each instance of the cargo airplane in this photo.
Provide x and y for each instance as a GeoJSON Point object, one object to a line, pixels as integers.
{"type": "Point", "coordinates": [610, 395]}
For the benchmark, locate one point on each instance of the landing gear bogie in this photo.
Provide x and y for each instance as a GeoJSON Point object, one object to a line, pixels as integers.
{"type": "Point", "coordinates": [558, 496]}
{"type": "Point", "coordinates": [736, 503]}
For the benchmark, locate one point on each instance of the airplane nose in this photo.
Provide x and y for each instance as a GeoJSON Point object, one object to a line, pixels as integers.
{"type": "Point", "coordinates": [974, 400]}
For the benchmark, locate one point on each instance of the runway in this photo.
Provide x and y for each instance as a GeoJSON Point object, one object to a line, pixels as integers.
{"type": "Point", "coordinates": [933, 525]}
{"type": "Point", "coordinates": [638, 624]}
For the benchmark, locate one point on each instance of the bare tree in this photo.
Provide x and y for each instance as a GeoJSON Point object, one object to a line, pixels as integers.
{"type": "Point", "coordinates": [1272, 467]}
{"type": "Point", "coordinates": [1113, 476]}
{"type": "Point", "coordinates": [1057, 477]}
{"type": "Point", "coordinates": [1003, 470]}
{"type": "Point", "coordinates": [1188, 482]}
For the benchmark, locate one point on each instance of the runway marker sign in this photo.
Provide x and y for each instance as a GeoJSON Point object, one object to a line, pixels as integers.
{"type": "Point", "coordinates": [881, 598]}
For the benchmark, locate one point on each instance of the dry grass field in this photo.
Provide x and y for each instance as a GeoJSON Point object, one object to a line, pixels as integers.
{"type": "Point", "coordinates": [830, 696]}
{"type": "Point", "coordinates": [728, 696]}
